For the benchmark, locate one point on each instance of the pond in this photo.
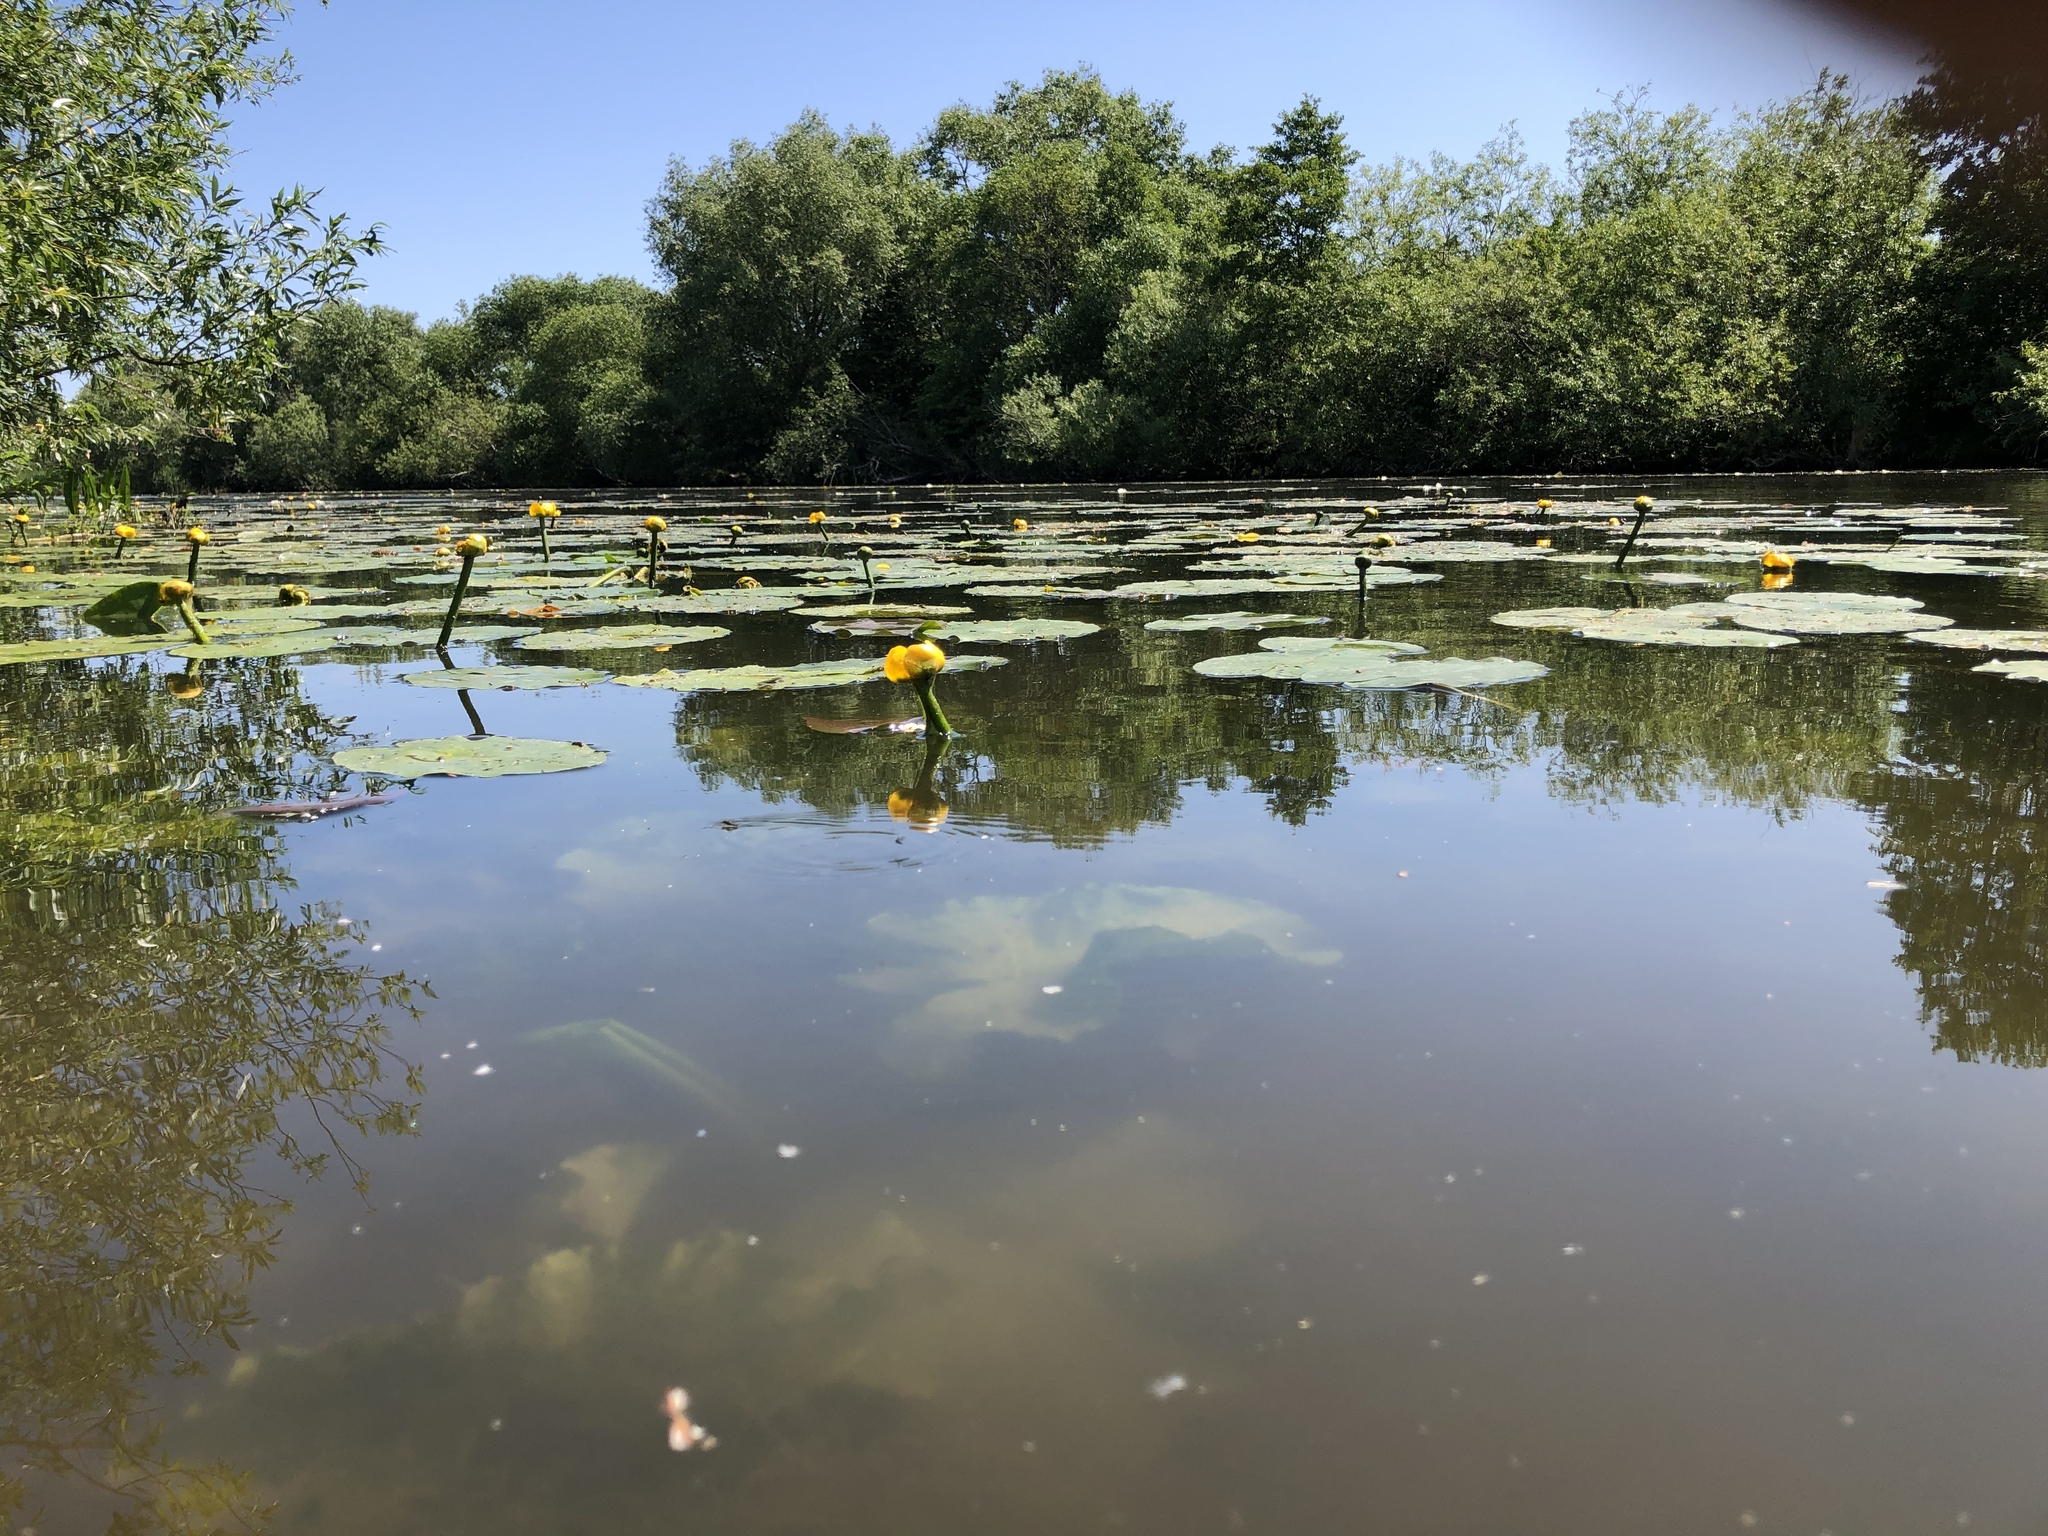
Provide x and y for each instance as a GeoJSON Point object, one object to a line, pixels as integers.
{"type": "Point", "coordinates": [1288, 1062]}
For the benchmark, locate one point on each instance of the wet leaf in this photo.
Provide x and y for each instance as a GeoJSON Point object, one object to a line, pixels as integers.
{"type": "Point", "coordinates": [398, 637]}
{"type": "Point", "coordinates": [1368, 664]}
{"type": "Point", "coordinates": [1985, 639]}
{"type": "Point", "coordinates": [1686, 624]}
{"type": "Point", "coordinates": [300, 644]}
{"type": "Point", "coordinates": [612, 637]}
{"type": "Point", "coordinates": [1831, 613]}
{"type": "Point", "coordinates": [483, 757]}
{"type": "Point", "coordinates": [884, 611]}
{"type": "Point", "coordinates": [506, 677]}
{"type": "Point", "coordinates": [2018, 671]}
{"type": "Point", "coordinates": [808, 674]}
{"type": "Point", "coordinates": [1013, 631]}
{"type": "Point", "coordinates": [129, 610]}
{"type": "Point", "coordinates": [1235, 619]}
{"type": "Point", "coordinates": [72, 650]}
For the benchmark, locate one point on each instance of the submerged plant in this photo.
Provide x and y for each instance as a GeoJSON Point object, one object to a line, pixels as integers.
{"type": "Point", "coordinates": [197, 538]}
{"type": "Point", "coordinates": [918, 664]}
{"type": "Point", "coordinates": [469, 549]}
{"type": "Point", "coordinates": [179, 593]}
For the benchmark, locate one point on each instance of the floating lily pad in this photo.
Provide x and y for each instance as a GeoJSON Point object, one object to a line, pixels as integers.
{"type": "Point", "coordinates": [506, 677]}
{"type": "Point", "coordinates": [1689, 624]}
{"type": "Point", "coordinates": [806, 674]}
{"type": "Point", "coordinates": [2017, 671]}
{"type": "Point", "coordinates": [299, 644]}
{"type": "Point", "coordinates": [392, 635]}
{"type": "Point", "coordinates": [264, 621]}
{"type": "Point", "coordinates": [612, 637]}
{"type": "Point", "coordinates": [73, 650]}
{"type": "Point", "coordinates": [1368, 664]}
{"type": "Point", "coordinates": [884, 611]}
{"type": "Point", "coordinates": [482, 757]}
{"type": "Point", "coordinates": [746, 600]}
{"type": "Point", "coordinates": [1831, 613]}
{"type": "Point", "coordinates": [1234, 619]}
{"type": "Point", "coordinates": [1985, 639]}
{"type": "Point", "coordinates": [1013, 631]}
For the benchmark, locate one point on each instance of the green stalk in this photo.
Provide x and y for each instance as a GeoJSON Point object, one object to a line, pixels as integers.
{"type": "Point", "coordinates": [547, 552]}
{"type": "Point", "coordinates": [1641, 513]}
{"type": "Point", "coordinates": [1364, 564]}
{"type": "Point", "coordinates": [935, 722]}
{"type": "Point", "coordinates": [192, 567]}
{"type": "Point", "coordinates": [455, 604]}
{"type": "Point", "coordinates": [191, 618]}
{"type": "Point", "coordinates": [866, 555]}
{"type": "Point", "coordinates": [653, 557]}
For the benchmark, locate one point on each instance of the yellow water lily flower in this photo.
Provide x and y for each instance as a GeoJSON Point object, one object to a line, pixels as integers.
{"type": "Point", "coordinates": [816, 518]}
{"type": "Point", "coordinates": [124, 531]}
{"type": "Point", "coordinates": [198, 535]}
{"type": "Point", "coordinates": [1543, 543]}
{"type": "Point", "coordinates": [290, 596]}
{"type": "Point", "coordinates": [1247, 537]}
{"type": "Point", "coordinates": [656, 525]}
{"type": "Point", "coordinates": [169, 592]}
{"type": "Point", "coordinates": [908, 663]}
{"type": "Point", "coordinates": [1643, 503]}
{"type": "Point", "coordinates": [1544, 504]}
{"type": "Point", "coordinates": [1020, 525]}
{"type": "Point", "coordinates": [476, 544]}
{"type": "Point", "coordinates": [895, 519]}
{"type": "Point", "coordinates": [443, 552]}
{"type": "Point", "coordinates": [1774, 561]}
{"type": "Point", "coordinates": [747, 584]}
{"type": "Point", "coordinates": [443, 531]}
{"type": "Point", "coordinates": [1614, 522]}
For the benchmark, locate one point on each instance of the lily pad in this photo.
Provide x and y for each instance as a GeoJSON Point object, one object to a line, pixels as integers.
{"type": "Point", "coordinates": [392, 635]}
{"type": "Point", "coordinates": [264, 621]}
{"type": "Point", "coordinates": [884, 611]}
{"type": "Point", "coordinates": [506, 677]}
{"type": "Point", "coordinates": [611, 637]}
{"type": "Point", "coordinates": [805, 674]}
{"type": "Point", "coordinates": [1831, 613]}
{"type": "Point", "coordinates": [1985, 639]}
{"type": "Point", "coordinates": [1368, 664]}
{"type": "Point", "coordinates": [482, 757]}
{"type": "Point", "coordinates": [1688, 624]}
{"type": "Point", "coordinates": [1234, 619]}
{"type": "Point", "coordinates": [2017, 671]}
{"type": "Point", "coordinates": [740, 600]}
{"type": "Point", "coordinates": [298, 644]}
{"type": "Point", "coordinates": [73, 650]}
{"type": "Point", "coordinates": [128, 610]}
{"type": "Point", "coordinates": [1545, 618]}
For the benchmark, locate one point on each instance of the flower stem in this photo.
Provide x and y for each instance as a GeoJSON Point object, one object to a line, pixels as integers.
{"type": "Point", "coordinates": [1641, 513]}
{"type": "Point", "coordinates": [547, 552]}
{"type": "Point", "coordinates": [455, 603]}
{"type": "Point", "coordinates": [935, 722]}
{"type": "Point", "coordinates": [192, 567]}
{"type": "Point", "coordinates": [185, 612]}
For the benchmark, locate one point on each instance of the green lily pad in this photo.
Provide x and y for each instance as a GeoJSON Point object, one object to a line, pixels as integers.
{"type": "Point", "coordinates": [739, 600]}
{"type": "Point", "coordinates": [1233, 620]}
{"type": "Point", "coordinates": [264, 621]}
{"type": "Point", "coordinates": [259, 645]}
{"type": "Point", "coordinates": [129, 610]}
{"type": "Point", "coordinates": [1985, 639]}
{"type": "Point", "coordinates": [506, 677]}
{"type": "Point", "coordinates": [884, 611]}
{"type": "Point", "coordinates": [390, 635]}
{"type": "Point", "coordinates": [1368, 664]}
{"type": "Point", "coordinates": [806, 674]}
{"type": "Point", "coordinates": [1831, 613]}
{"type": "Point", "coordinates": [613, 637]}
{"type": "Point", "coordinates": [482, 757]}
{"type": "Point", "coordinates": [2017, 671]}
{"type": "Point", "coordinates": [47, 597]}
{"type": "Point", "coordinates": [969, 631]}
{"type": "Point", "coordinates": [1687, 624]}
{"type": "Point", "coordinates": [73, 650]}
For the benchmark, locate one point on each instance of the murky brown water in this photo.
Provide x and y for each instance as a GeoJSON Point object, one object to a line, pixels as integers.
{"type": "Point", "coordinates": [1605, 1104]}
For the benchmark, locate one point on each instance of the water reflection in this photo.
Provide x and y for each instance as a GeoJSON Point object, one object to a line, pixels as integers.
{"type": "Point", "coordinates": [172, 1028]}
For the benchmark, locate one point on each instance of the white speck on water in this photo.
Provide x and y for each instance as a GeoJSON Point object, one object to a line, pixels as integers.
{"type": "Point", "coordinates": [482, 1071]}
{"type": "Point", "coordinates": [1166, 1386]}
{"type": "Point", "coordinates": [1848, 1420]}
{"type": "Point", "coordinates": [1450, 1178]}
{"type": "Point", "coordinates": [1481, 1279]}
{"type": "Point", "coordinates": [471, 1046]}
{"type": "Point", "coordinates": [1052, 990]}
{"type": "Point", "coordinates": [358, 1231]}
{"type": "Point", "coordinates": [647, 989]}
{"type": "Point", "coordinates": [789, 1149]}
{"type": "Point", "coordinates": [375, 947]}
{"type": "Point", "coordinates": [444, 1055]}
{"type": "Point", "coordinates": [752, 1241]}
{"type": "Point", "coordinates": [1736, 1214]}
{"type": "Point", "coordinates": [1747, 1517]}
{"type": "Point", "coordinates": [1305, 1324]}
{"type": "Point", "coordinates": [1030, 1445]}
{"type": "Point", "coordinates": [497, 1424]}
{"type": "Point", "coordinates": [700, 1130]}
{"type": "Point", "coordinates": [1573, 1250]}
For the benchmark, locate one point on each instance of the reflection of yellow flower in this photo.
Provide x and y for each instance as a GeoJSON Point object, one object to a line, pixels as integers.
{"type": "Point", "coordinates": [746, 584]}
{"type": "Point", "coordinates": [472, 546]}
{"type": "Point", "coordinates": [656, 525]}
{"type": "Point", "coordinates": [1776, 581]}
{"type": "Point", "coordinates": [183, 685]}
{"type": "Point", "coordinates": [817, 517]}
{"type": "Point", "coordinates": [922, 812]}
{"type": "Point", "coordinates": [907, 663]}
{"type": "Point", "coordinates": [1019, 524]}
{"type": "Point", "coordinates": [1774, 561]}
{"type": "Point", "coordinates": [198, 535]}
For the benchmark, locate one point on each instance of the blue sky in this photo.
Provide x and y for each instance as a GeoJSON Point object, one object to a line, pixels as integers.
{"type": "Point", "coordinates": [498, 136]}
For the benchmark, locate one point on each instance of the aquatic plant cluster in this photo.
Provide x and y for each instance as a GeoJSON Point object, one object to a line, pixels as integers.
{"type": "Point", "coordinates": [1052, 287]}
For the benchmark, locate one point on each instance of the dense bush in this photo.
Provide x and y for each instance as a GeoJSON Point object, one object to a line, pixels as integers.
{"type": "Point", "coordinates": [1054, 287]}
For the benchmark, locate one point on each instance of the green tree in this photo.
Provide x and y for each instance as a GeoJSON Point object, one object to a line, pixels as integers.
{"type": "Point", "coordinates": [123, 255]}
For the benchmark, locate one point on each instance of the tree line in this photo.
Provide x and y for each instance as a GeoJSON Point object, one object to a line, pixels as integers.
{"type": "Point", "coordinates": [1054, 287]}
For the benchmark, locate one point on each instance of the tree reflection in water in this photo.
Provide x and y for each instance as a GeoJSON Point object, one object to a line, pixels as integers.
{"type": "Point", "coordinates": [169, 1025]}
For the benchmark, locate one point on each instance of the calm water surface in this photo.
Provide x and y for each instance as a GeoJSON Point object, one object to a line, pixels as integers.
{"type": "Point", "coordinates": [1608, 1104]}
